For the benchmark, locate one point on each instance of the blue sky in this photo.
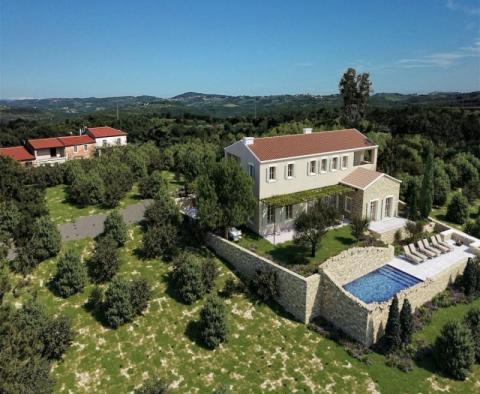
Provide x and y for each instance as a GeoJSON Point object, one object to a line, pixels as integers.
{"type": "Point", "coordinates": [103, 48]}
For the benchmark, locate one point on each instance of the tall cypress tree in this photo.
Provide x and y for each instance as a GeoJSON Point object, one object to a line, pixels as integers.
{"type": "Point", "coordinates": [470, 277]}
{"type": "Point", "coordinates": [406, 322]}
{"type": "Point", "coordinates": [426, 200]}
{"type": "Point", "coordinates": [412, 199]}
{"type": "Point", "coordinates": [392, 329]}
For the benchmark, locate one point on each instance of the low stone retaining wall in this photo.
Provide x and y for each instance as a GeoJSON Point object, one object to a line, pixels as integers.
{"type": "Point", "coordinates": [355, 262]}
{"type": "Point", "coordinates": [297, 294]}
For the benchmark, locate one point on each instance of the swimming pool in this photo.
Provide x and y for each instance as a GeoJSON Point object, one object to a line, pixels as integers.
{"type": "Point", "coordinates": [380, 285]}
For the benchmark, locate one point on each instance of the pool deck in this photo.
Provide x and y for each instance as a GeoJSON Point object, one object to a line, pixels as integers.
{"type": "Point", "coordinates": [387, 224]}
{"type": "Point", "coordinates": [433, 266]}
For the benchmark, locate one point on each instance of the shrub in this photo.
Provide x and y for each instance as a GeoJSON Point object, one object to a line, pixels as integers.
{"type": "Point", "coordinates": [406, 322]}
{"type": "Point", "coordinates": [471, 277]}
{"type": "Point", "coordinates": [209, 274]}
{"type": "Point", "coordinates": [188, 277]}
{"type": "Point", "coordinates": [115, 227]}
{"type": "Point", "coordinates": [105, 261]}
{"type": "Point", "coordinates": [454, 350]}
{"type": "Point", "coordinates": [400, 360]}
{"type": "Point", "coordinates": [359, 226]}
{"type": "Point", "coordinates": [160, 240]}
{"type": "Point", "coordinates": [265, 284]}
{"type": "Point", "coordinates": [153, 386]}
{"type": "Point", "coordinates": [397, 237]}
{"type": "Point", "coordinates": [230, 287]}
{"type": "Point", "coordinates": [24, 262]}
{"type": "Point", "coordinates": [150, 185]}
{"type": "Point", "coordinates": [415, 230]}
{"type": "Point", "coordinates": [71, 276]}
{"type": "Point", "coordinates": [57, 336]}
{"type": "Point", "coordinates": [140, 294]}
{"type": "Point", "coordinates": [213, 323]}
{"type": "Point", "coordinates": [457, 210]}
{"type": "Point", "coordinates": [472, 321]}
{"type": "Point", "coordinates": [117, 306]}
{"type": "Point", "coordinates": [95, 299]}
{"type": "Point", "coordinates": [45, 241]}
{"type": "Point", "coordinates": [5, 285]}
{"type": "Point", "coordinates": [392, 329]}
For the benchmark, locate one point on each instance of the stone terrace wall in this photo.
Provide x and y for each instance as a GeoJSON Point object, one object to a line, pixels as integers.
{"type": "Point", "coordinates": [356, 262]}
{"type": "Point", "coordinates": [297, 294]}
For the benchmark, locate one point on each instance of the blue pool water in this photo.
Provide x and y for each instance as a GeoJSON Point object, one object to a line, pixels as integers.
{"type": "Point", "coordinates": [380, 285]}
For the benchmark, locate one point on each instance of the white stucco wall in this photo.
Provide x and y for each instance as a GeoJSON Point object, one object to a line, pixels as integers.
{"type": "Point", "coordinates": [111, 141]}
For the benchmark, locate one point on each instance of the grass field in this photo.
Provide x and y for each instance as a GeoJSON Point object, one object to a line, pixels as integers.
{"type": "Point", "coordinates": [439, 213]}
{"type": "Point", "coordinates": [266, 351]}
{"type": "Point", "coordinates": [290, 254]}
{"type": "Point", "coordinates": [62, 211]}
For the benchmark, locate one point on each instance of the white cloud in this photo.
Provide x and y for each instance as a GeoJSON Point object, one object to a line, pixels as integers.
{"type": "Point", "coordinates": [442, 59]}
{"type": "Point", "coordinates": [459, 5]}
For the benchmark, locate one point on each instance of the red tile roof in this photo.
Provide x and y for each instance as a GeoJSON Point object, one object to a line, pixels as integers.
{"type": "Point", "coordinates": [361, 178]}
{"type": "Point", "coordinates": [281, 147]}
{"type": "Point", "coordinates": [18, 153]}
{"type": "Point", "coordinates": [76, 140]}
{"type": "Point", "coordinates": [45, 143]}
{"type": "Point", "coordinates": [105, 131]}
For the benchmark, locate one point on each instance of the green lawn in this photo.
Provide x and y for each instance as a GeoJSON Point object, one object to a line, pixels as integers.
{"type": "Point", "coordinates": [266, 351]}
{"type": "Point", "coordinates": [440, 212]}
{"type": "Point", "coordinates": [290, 254]}
{"type": "Point", "coordinates": [61, 211]}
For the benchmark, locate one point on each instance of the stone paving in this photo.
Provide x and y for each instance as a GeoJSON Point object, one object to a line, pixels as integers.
{"type": "Point", "coordinates": [92, 226]}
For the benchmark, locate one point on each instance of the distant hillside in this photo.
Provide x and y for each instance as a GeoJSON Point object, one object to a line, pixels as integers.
{"type": "Point", "coordinates": [218, 105]}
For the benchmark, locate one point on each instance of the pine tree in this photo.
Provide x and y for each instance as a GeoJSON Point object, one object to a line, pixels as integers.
{"type": "Point", "coordinates": [426, 201]}
{"type": "Point", "coordinates": [406, 322]}
{"type": "Point", "coordinates": [469, 278]}
{"type": "Point", "coordinates": [213, 323]}
{"type": "Point", "coordinates": [454, 350]}
{"type": "Point", "coordinates": [392, 329]}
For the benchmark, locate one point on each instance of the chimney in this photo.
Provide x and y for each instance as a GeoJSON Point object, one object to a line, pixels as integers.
{"type": "Point", "coordinates": [248, 140]}
{"type": "Point", "coordinates": [307, 130]}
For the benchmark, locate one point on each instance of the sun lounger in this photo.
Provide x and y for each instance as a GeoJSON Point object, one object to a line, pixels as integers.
{"type": "Point", "coordinates": [427, 246]}
{"type": "Point", "coordinates": [415, 252]}
{"type": "Point", "coordinates": [435, 243]}
{"type": "Point", "coordinates": [422, 249]}
{"type": "Point", "coordinates": [442, 242]}
{"type": "Point", "coordinates": [414, 259]}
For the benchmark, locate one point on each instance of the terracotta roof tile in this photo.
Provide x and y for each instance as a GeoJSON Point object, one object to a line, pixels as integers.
{"type": "Point", "coordinates": [45, 143]}
{"type": "Point", "coordinates": [18, 153]}
{"type": "Point", "coordinates": [105, 131]}
{"type": "Point", "coordinates": [361, 178]}
{"type": "Point", "coordinates": [76, 140]}
{"type": "Point", "coordinates": [282, 147]}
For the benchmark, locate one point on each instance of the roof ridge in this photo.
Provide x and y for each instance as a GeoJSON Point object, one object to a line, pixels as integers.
{"type": "Point", "coordinates": [313, 133]}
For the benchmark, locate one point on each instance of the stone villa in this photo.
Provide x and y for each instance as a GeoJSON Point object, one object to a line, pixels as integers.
{"type": "Point", "coordinates": [292, 171]}
{"type": "Point", "coordinates": [56, 150]}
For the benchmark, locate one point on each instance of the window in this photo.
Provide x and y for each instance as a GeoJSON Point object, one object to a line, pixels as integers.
{"type": "Point", "coordinates": [323, 166]}
{"type": "Point", "coordinates": [289, 170]}
{"type": "Point", "coordinates": [85, 147]}
{"type": "Point", "coordinates": [348, 204]}
{"type": "Point", "coordinates": [344, 162]}
{"type": "Point", "coordinates": [270, 214]}
{"type": "Point", "coordinates": [119, 141]}
{"type": "Point", "coordinates": [75, 148]}
{"type": "Point", "coordinates": [312, 167]}
{"type": "Point", "coordinates": [288, 212]}
{"type": "Point", "coordinates": [388, 206]}
{"type": "Point", "coordinates": [104, 142]}
{"type": "Point", "coordinates": [272, 174]}
{"type": "Point", "coordinates": [335, 164]}
{"type": "Point", "coordinates": [251, 170]}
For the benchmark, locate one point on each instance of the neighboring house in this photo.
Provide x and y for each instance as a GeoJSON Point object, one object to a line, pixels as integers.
{"type": "Point", "coordinates": [107, 136]}
{"type": "Point", "coordinates": [18, 153]}
{"type": "Point", "coordinates": [47, 151]}
{"type": "Point", "coordinates": [291, 172]}
{"type": "Point", "coordinates": [78, 146]}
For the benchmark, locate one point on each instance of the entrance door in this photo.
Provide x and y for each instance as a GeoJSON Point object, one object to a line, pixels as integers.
{"type": "Point", "coordinates": [53, 152]}
{"type": "Point", "coordinates": [374, 210]}
{"type": "Point", "coordinates": [388, 207]}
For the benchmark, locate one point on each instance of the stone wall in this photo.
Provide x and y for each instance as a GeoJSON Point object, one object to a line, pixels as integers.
{"type": "Point", "coordinates": [297, 294]}
{"type": "Point", "coordinates": [356, 262]}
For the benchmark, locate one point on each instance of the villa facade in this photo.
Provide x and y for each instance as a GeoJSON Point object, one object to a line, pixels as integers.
{"type": "Point", "coordinates": [57, 150]}
{"type": "Point", "coordinates": [291, 172]}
